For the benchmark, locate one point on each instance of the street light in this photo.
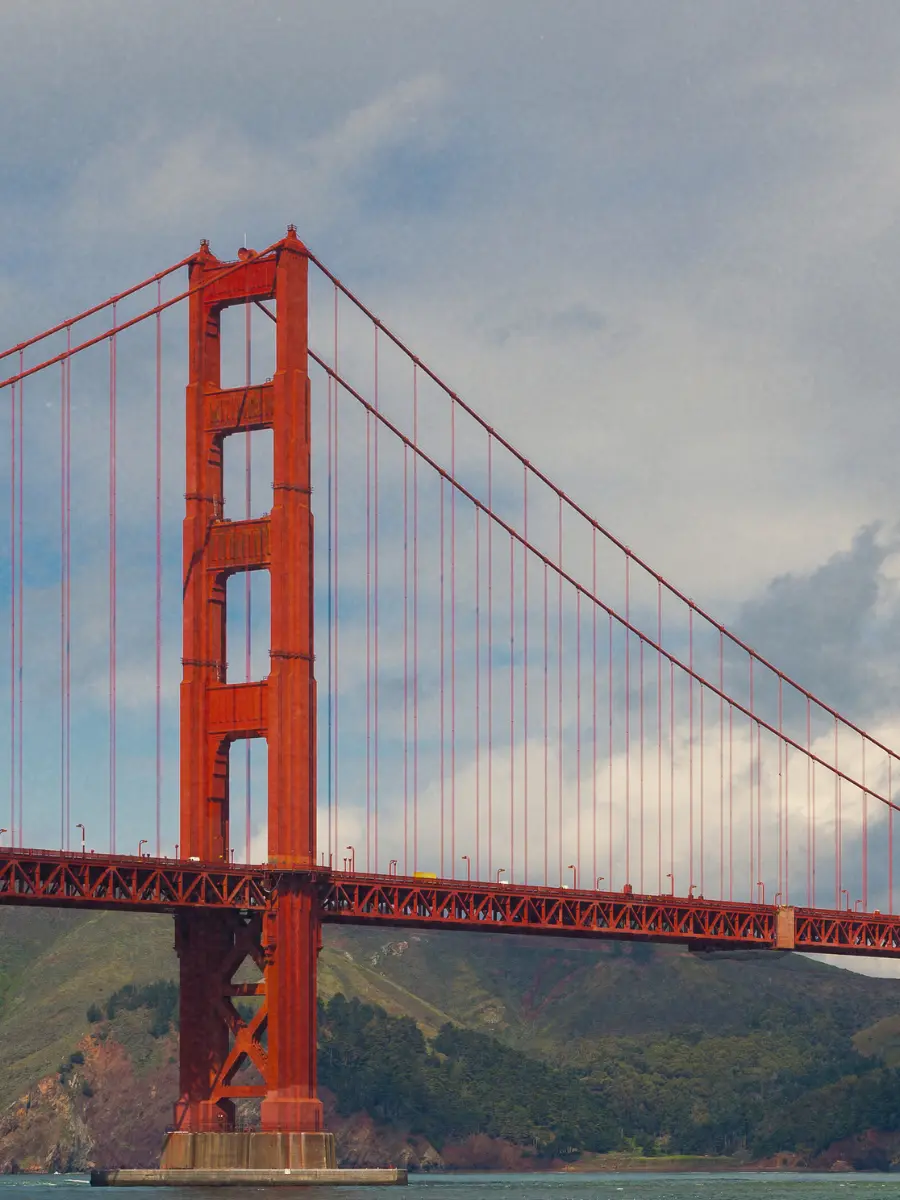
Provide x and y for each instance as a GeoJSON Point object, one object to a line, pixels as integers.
{"type": "Point", "coordinates": [468, 862]}
{"type": "Point", "coordinates": [392, 867]}
{"type": "Point", "coordinates": [141, 844]}
{"type": "Point", "coordinates": [81, 827]}
{"type": "Point", "coordinates": [352, 857]}
{"type": "Point", "coordinates": [574, 871]}
{"type": "Point", "coordinates": [500, 871]}
{"type": "Point", "coordinates": [844, 892]}
{"type": "Point", "coordinates": [670, 875]}
{"type": "Point", "coordinates": [761, 889]}
{"type": "Point", "coordinates": [2, 831]}
{"type": "Point", "coordinates": [597, 883]}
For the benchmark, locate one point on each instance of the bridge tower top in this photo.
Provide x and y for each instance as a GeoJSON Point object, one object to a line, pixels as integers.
{"type": "Point", "coordinates": [281, 707]}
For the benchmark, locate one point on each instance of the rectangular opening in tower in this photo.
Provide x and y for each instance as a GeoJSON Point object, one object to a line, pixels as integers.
{"type": "Point", "coordinates": [247, 625]}
{"type": "Point", "coordinates": [248, 344]}
{"type": "Point", "coordinates": [248, 778]}
{"type": "Point", "coordinates": [247, 467]}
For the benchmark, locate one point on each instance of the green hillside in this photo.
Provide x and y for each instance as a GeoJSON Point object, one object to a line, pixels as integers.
{"type": "Point", "coordinates": [671, 1051]}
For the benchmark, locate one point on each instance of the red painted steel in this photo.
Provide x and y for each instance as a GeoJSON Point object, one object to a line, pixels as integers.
{"type": "Point", "coordinates": [127, 882]}
{"type": "Point", "coordinates": [163, 885]}
{"type": "Point", "coordinates": [281, 708]}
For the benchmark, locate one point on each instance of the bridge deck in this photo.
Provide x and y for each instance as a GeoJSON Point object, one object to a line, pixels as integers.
{"type": "Point", "coordinates": [166, 885]}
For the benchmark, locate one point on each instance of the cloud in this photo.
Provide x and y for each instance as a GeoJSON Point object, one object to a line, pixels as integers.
{"type": "Point", "coordinates": [828, 627]}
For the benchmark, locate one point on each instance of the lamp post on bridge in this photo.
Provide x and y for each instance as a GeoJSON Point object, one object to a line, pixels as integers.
{"type": "Point", "coordinates": [141, 844]}
{"type": "Point", "coordinates": [844, 892]}
{"type": "Point", "coordinates": [392, 866]}
{"type": "Point", "coordinates": [597, 883]}
{"type": "Point", "coordinates": [468, 862]}
{"type": "Point", "coordinates": [574, 871]}
{"type": "Point", "coordinates": [760, 891]}
{"type": "Point", "coordinates": [352, 859]}
{"type": "Point", "coordinates": [81, 827]}
{"type": "Point", "coordinates": [500, 871]}
{"type": "Point", "coordinates": [671, 875]}
{"type": "Point", "coordinates": [2, 831]}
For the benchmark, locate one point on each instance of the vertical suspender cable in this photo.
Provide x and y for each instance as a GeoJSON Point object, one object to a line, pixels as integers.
{"type": "Point", "coordinates": [546, 725]}
{"type": "Point", "coordinates": [578, 734]}
{"type": "Point", "coordinates": [158, 597]}
{"type": "Point", "coordinates": [13, 609]}
{"type": "Point", "coordinates": [865, 830]}
{"type": "Point", "coordinates": [512, 708]}
{"type": "Point", "coordinates": [453, 636]}
{"type": "Point", "coordinates": [787, 829]}
{"type": "Point", "coordinates": [20, 727]}
{"type": "Point", "coordinates": [368, 639]}
{"type": "Point", "coordinates": [406, 658]}
{"type": "Point", "coordinates": [759, 862]}
{"type": "Point", "coordinates": [68, 645]}
{"type": "Point", "coordinates": [331, 386]}
{"type": "Point", "coordinates": [627, 718]}
{"type": "Point", "coordinates": [730, 802]}
{"type": "Point", "coordinates": [810, 844]}
{"type": "Point", "coordinates": [721, 765]}
{"type": "Point", "coordinates": [672, 772]}
{"type": "Point", "coordinates": [890, 838]}
{"type": "Point", "coordinates": [62, 605]}
{"type": "Point", "coordinates": [477, 693]}
{"type": "Point", "coordinates": [780, 791]}
{"type": "Point", "coordinates": [415, 621]}
{"type": "Point", "coordinates": [490, 658]}
{"type": "Point", "coordinates": [659, 737]}
{"type": "Point", "coordinates": [702, 798]}
{"type": "Point", "coordinates": [641, 762]}
{"type": "Point", "coordinates": [113, 582]}
{"type": "Point", "coordinates": [690, 683]}
{"type": "Point", "coordinates": [609, 877]}
{"type": "Point", "coordinates": [559, 674]}
{"type": "Point", "coordinates": [442, 718]}
{"type": "Point", "coordinates": [594, 701]}
{"type": "Point", "coordinates": [753, 875]}
{"type": "Point", "coordinates": [375, 615]}
{"type": "Point", "coordinates": [813, 900]}
{"type": "Point", "coordinates": [248, 595]}
{"type": "Point", "coordinates": [525, 674]}
{"type": "Point", "coordinates": [336, 760]}
{"type": "Point", "coordinates": [837, 822]}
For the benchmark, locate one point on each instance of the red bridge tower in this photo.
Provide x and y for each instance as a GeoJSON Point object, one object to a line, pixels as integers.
{"type": "Point", "coordinates": [280, 1038]}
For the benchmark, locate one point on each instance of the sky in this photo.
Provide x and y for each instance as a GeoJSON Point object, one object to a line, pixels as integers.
{"type": "Point", "coordinates": [655, 242]}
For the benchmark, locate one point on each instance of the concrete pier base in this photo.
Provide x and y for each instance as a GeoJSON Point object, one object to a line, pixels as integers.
{"type": "Point", "coordinates": [248, 1159]}
{"type": "Point", "coordinates": [247, 1151]}
{"type": "Point", "coordinates": [244, 1177]}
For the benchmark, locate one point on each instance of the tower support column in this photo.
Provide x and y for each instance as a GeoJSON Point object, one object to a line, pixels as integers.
{"type": "Point", "coordinates": [280, 1039]}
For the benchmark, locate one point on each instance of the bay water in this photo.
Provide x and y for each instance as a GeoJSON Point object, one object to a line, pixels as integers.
{"type": "Point", "coordinates": [564, 1186]}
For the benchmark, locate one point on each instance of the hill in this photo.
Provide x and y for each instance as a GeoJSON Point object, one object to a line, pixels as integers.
{"type": "Point", "coordinates": [736, 1054]}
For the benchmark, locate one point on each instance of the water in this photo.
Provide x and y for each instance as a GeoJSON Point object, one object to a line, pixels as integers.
{"type": "Point", "coordinates": [750, 1186]}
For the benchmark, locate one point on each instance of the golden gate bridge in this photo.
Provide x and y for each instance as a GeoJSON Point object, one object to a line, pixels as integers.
{"type": "Point", "coordinates": [505, 721]}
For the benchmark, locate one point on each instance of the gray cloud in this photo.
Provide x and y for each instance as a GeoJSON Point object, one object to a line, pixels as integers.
{"type": "Point", "coordinates": [829, 627]}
